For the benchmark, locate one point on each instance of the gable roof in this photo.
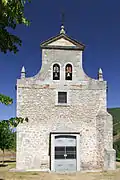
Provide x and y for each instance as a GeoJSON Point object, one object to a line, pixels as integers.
{"type": "Point", "coordinates": [62, 41]}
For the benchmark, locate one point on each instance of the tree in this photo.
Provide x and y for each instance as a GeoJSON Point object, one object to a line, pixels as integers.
{"type": "Point", "coordinates": [11, 14]}
{"type": "Point", "coordinates": [7, 135]}
{"type": "Point", "coordinates": [13, 143]}
{"type": "Point", "coordinates": [116, 146]}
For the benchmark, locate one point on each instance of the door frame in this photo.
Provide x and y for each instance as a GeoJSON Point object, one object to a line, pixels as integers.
{"type": "Point", "coordinates": [52, 149]}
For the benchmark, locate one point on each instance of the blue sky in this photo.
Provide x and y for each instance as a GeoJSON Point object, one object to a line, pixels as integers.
{"type": "Point", "coordinates": [95, 23]}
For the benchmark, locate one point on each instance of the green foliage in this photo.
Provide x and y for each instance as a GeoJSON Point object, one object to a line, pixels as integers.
{"type": "Point", "coordinates": [115, 112]}
{"type": "Point", "coordinates": [5, 135]}
{"type": "Point", "coordinates": [13, 143]}
{"type": "Point", "coordinates": [5, 99]}
{"type": "Point", "coordinates": [11, 14]}
{"type": "Point", "coordinates": [13, 122]}
{"type": "Point", "coordinates": [8, 41]}
{"type": "Point", "coordinates": [116, 146]}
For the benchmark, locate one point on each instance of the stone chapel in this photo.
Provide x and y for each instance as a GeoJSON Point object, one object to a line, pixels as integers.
{"type": "Point", "coordinates": [68, 128]}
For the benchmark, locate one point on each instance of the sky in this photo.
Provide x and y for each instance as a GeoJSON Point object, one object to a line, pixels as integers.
{"type": "Point", "coordinates": [94, 23]}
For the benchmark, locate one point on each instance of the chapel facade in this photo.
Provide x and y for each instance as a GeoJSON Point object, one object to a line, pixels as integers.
{"type": "Point", "coordinates": [68, 128]}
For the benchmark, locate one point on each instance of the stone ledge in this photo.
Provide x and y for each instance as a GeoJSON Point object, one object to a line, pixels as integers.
{"type": "Point", "coordinates": [29, 170]}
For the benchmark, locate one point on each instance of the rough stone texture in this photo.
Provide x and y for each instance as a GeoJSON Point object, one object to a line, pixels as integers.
{"type": "Point", "coordinates": [86, 113]}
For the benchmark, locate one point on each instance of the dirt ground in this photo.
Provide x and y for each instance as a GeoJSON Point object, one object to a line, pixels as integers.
{"type": "Point", "coordinates": [5, 174]}
{"type": "Point", "coordinates": [9, 155]}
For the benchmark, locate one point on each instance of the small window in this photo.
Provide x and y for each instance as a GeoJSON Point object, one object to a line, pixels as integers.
{"type": "Point", "coordinates": [62, 97]}
{"type": "Point", "coordinates": [59, 152]}
{"type": "Point", "coordinates": [56, 72]}
{"type": "Point", "coordinates": [68, 72]}
{"type": "Point", "coordinates": [69, 151]}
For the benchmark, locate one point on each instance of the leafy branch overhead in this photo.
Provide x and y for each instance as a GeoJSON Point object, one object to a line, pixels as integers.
{"type": "Point", "coordinates": [5, 99]}
{"type": "Point", "coordinates": [11, 14]}
{"type": "Point", "coordinates": [13, 122]}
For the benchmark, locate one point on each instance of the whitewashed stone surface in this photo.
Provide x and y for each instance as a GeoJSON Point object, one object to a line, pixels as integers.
{"type": "Point", "coordinates": [86, 114]}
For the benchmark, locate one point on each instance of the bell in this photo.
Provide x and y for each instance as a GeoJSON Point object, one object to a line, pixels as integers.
{"type": "Point", "coordinates": [68, 74]}
{"type": "Point", "coordinates": [56, 75]}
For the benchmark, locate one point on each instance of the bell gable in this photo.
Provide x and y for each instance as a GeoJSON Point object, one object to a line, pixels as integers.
{"type": "Point", "coordinates": [62, 41]}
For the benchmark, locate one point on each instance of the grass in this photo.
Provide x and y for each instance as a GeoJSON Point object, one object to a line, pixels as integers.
{"type": "Point", "coordinates": [7, 175]}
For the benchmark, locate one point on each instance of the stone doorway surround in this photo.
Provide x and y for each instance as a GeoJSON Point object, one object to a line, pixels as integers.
{"type": "Point", "coordinates": [52, 148]}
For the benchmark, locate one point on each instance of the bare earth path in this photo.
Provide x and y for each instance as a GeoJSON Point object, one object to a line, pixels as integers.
{"type": "Point", "coordinates": [7, 175]}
